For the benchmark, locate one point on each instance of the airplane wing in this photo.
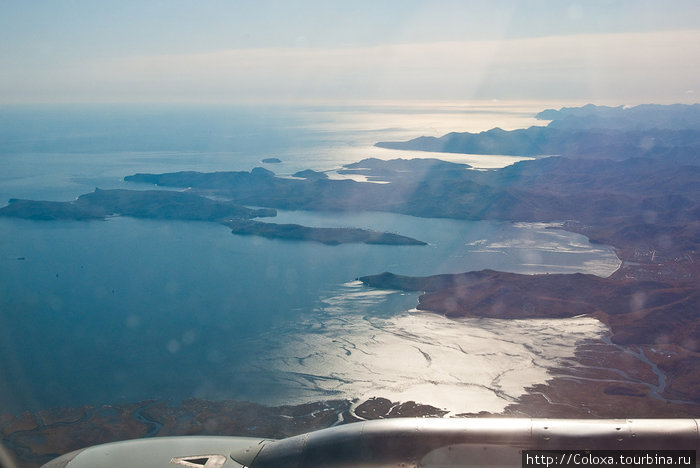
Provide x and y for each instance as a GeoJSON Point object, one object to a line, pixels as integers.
{"type": "Point", "coordinates": [419, 442]}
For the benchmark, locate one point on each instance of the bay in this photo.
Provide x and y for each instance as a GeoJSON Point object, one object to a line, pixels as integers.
{"type": "Point", "coordinates": [124, 310]}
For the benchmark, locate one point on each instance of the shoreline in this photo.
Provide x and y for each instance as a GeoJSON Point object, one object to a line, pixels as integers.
{"type": "Point", "coordinates": [642, 202]}
{"type": "Point", "coordinates": [663, 345]}
{"type": "Point", "coordinates": [36, 437]}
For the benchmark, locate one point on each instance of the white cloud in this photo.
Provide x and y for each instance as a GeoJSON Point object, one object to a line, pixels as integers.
{"type": "Point", "coordinates": [656, 66]}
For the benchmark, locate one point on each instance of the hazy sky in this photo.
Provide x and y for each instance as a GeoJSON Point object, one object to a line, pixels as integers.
{"type": "Point", "coordinates": [238, 50]}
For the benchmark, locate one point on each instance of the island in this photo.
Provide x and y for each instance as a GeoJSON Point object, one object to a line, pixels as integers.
{"type": "Point", "coordinates": [310, 174]}
{"type": "Point", "coordinates": [329, 236]}
{"type": "Point", "coordinates": [272, 161]}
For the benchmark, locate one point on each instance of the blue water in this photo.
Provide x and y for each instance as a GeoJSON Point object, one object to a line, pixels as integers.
{"type": "Point", "coordinates": [126, 310]}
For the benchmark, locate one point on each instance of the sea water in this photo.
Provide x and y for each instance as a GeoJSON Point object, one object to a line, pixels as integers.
{"type": "Point", "coordinates": [122, 310]}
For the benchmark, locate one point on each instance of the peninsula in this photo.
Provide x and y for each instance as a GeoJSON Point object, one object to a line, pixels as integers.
{"type": "Point", "coordinates": [188, 206]}
{"type": "Point", "coordinates": [167, 204]}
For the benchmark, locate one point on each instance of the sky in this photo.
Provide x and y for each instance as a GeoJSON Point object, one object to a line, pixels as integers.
{"type": "Point", "coordinates": [89, 51]}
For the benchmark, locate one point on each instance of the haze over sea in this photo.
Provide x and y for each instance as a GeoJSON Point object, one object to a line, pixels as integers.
{"type": "Point", "coordinates": [127, 310]}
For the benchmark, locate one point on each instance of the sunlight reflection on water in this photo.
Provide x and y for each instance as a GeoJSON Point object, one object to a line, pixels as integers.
{"type": "Point", "coordinates": [344, 350]}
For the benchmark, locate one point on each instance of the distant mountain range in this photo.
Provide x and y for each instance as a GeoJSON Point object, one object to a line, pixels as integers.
{"type": "Point", "coordinates": [590, 131]}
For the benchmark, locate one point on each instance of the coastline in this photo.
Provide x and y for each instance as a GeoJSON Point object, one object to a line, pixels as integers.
{"type": "Point", "coordinates": [657, 344]}
{"type": "Point", "coordinates": [646, 367]}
